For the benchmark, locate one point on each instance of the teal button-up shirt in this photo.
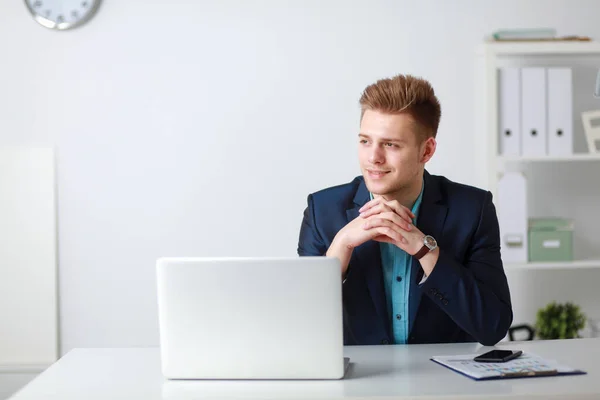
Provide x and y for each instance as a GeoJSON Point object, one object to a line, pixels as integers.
{"type": "Point", "coordinates": [396, 264]}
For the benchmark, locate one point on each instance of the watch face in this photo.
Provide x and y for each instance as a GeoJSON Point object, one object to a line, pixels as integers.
{"type": "Point", "coordinates": [62, 14]}
{"type": "Point", "coordinates": [430, 242]}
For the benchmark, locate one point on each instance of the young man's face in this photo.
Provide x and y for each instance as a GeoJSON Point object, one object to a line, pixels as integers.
{"type": "Point", "coordinates": [390, 154]}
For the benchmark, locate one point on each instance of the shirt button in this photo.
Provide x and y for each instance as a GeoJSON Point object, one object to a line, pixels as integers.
{"type": "Point", "coordinates": [399, 278]}
{"type": "Point", "coordinates": [398, 316]}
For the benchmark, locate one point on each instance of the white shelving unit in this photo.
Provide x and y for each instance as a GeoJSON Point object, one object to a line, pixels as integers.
{"type": "Point", "coordinates": [580, 264]}
{"type": "Point", "coordinates": [496, 49]}
{"type": "Point", "coordinates": [493, 53]}
{"type": "Point", "coordinates": [572, 158]}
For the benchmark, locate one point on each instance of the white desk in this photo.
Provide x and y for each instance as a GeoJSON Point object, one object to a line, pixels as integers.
{"type": "Point", "coordinates": [393, 372]}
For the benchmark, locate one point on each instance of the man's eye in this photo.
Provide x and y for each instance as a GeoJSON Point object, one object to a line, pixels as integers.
{"type": "Point", "coordinates": [363, 141]}
{"type": "Point", "coordinates": [389, 144]}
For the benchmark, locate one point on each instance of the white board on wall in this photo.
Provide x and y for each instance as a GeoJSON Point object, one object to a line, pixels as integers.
{"type": "Point", "coordinates": [28, 258]}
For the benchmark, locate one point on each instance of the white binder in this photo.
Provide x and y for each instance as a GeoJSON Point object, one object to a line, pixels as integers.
{"type": "Point", "coordinates": [509, 88]}
{"type": "Point", "coordinates": [560, 111]}
{"type": "Point", "coordinates": [533, 111]}
{"type": "Point", "coordinates": [513, 217]}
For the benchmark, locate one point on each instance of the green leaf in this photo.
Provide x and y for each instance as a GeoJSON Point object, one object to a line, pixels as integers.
{"type": "Point", "coordinates": [559, 321]}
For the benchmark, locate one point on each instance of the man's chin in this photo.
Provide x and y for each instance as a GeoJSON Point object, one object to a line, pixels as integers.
{"type": "Point", "coordinates": [377, 188]}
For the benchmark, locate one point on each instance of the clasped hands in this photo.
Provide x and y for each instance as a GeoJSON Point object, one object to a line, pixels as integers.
{"type": "Point", "coordinates": [384, 221]}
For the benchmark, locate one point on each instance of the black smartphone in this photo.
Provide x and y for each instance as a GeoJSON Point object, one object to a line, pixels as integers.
{"type": "Point", "coordinates": [498, 356]}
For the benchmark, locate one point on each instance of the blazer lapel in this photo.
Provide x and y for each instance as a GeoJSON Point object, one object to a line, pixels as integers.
{"type": "Point", "coordinates": [430, 221]}
{"type": "Point", "coordinates": [368, 256]}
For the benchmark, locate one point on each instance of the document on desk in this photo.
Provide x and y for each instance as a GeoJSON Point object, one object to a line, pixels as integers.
{"type": "Point", "coordinates": [527, 365]}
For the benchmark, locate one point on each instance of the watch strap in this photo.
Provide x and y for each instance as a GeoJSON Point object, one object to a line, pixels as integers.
{"type": "Point", "coordinates": [419, 254]}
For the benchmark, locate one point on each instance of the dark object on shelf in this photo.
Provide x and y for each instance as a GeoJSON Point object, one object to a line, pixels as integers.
{"type": "Point", "coordinates": [523, 327]}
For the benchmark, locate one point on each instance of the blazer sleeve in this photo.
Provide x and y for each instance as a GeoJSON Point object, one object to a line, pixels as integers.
{"type": "Point", "coordinates": [310, 242]}
{"type": "Point", "coordinates": [475, 295]}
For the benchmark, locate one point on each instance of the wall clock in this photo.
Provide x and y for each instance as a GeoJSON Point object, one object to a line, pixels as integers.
{"type": "Point", "coordinates": [62, 14]}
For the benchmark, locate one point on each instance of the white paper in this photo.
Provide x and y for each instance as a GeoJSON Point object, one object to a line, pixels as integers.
{"type": "Point", "coordinates": [525, 363]}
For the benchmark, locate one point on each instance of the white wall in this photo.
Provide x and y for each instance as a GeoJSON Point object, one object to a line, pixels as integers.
{"type": "Point", "coordinates": [198, 128]}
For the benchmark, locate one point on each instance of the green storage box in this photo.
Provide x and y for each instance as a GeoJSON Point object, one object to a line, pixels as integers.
{"type": "Point", "coordinates": [550, 239]}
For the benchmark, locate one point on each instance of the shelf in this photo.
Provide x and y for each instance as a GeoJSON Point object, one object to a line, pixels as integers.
{"type": "Point", "coordinates": [23, 369]}
{"type": "Point", "coordinates": [582, 264]}
{"type": "Point", "coordinates": [565, 158]}
{"type": "Point", "coordinates": [541, 48]}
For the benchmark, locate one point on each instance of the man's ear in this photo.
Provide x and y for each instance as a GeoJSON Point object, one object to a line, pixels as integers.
{"type": "Point", "coordinates": [428, 149]}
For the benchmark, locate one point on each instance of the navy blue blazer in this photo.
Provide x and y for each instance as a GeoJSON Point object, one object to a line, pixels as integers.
{"type": "Point", "coordinates": [466, 297]}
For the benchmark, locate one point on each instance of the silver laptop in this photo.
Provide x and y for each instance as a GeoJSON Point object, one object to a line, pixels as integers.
{"type": "Point", "coordinates": [250, 318]}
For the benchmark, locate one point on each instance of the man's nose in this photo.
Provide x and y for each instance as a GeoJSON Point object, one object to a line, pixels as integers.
{"type": "Point", "coordinates": [376, 156]}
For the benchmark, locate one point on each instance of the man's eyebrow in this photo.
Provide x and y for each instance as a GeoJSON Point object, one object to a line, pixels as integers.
{"type": "Point", "coordinates": [383, 139]}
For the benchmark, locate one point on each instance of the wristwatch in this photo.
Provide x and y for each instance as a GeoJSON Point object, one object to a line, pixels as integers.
{"type": "Point", "coordinates": [429, 244]}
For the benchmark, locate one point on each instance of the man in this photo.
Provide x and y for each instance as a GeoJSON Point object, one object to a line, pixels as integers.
{"type": "Point", "coordinates": [420, 254]}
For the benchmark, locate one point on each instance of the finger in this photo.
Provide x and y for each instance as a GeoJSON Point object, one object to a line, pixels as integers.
{"type": "Point", "coordinates": [386, 239]}
{"type": "Point", "coordinates": [376, 209]}
{"type": "Point", "coordinates": [377, 222]}
{"type": "Point", "coordinates": [386, 224]}
{"type": "Point", "coordinates": [386, 231]}
{"type": "Point", "coordinates": [382, 222]}
{"type": "Point", "coordinates": [394, 236]}
{"type": "Point", "coordinates": [394, 206]}
{"type": "Point", "coordinates": [400, 209]}
{"type": "Point", "coordinates": [402, 222]}
{"type": "Point", "coordinates": [370, 204]}
{"type": "Point", "coordinates": [394, 218]}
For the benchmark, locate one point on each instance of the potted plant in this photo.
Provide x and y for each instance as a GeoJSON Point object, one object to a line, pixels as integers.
{"type": "Point", "coordinates": [559, 321]}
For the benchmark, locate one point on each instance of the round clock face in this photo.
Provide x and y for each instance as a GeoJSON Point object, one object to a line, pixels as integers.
{"type": "Point", "coordinates": [62, 14]}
